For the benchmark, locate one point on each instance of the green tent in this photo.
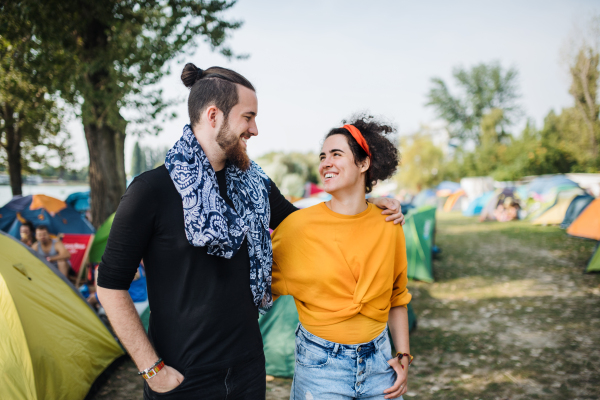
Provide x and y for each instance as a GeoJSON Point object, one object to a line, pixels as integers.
{"type": "Point", "coordinates": [278, 329]}
{"type": "Point", "coordinates": [97, 250]}
{"type": "Point", "coordinates": [100, 240]}
{"type": "Point", "coordinates": [145, 318]}
{"type": "Point", "coordinates": [594, 264]}
{"type": "Point", "coordinates": [419, 231]}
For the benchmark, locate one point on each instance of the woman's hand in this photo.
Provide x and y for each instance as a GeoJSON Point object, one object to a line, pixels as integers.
{"type": "Point", "coordinates": [390, 207]}
{"type": "Point", "coordinates": [399, 387]}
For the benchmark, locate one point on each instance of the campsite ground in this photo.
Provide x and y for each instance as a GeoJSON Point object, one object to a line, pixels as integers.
{"type": "Point", "coordinates": [510, 316]}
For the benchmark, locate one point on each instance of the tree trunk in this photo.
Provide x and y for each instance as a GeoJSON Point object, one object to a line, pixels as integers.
{"type": "Point", "coordinates": [107, 169]}
{"type": "Point", "coordinates": [13, 150]}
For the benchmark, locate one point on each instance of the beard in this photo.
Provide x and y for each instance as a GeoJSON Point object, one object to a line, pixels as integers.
{"type": "Point", "coordinates": [233, 148]}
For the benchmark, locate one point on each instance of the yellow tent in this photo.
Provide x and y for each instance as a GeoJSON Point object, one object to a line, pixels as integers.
{"type": "Point", "coordinates": [556, 214]}
{"type": "Point", "coordinates": [52, 344]}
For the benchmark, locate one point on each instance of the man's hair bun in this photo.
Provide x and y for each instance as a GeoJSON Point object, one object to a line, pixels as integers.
{"type": "Point", "coordinates": [190, 75]}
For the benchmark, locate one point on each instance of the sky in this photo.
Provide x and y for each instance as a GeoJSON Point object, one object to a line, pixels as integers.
{"type": "Point", "coordinates": [314, 63]}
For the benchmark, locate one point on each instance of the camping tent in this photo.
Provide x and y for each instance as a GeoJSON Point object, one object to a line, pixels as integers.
{"type": "Point", "coordinates": [594, 264]}
{"type": "Point", "coordinates": [454, 201]}
{"type": "Point", "coordinates": [446, 188]}
{"type": "Point", "coordinates": [539, 204]}
{"type": "Point", "coordinates": [42, 210]}
{"type": "Point", "coordinates": [487, 212]}
{"type": "Point", "coordinates": [425, 197]}
{"type": "Point", "coordinates": [99, 243]}
{"type": "Point", "coordinates": [477, 186]}
{"type": "Point", "coordinates": [578, 204]}
{"type": "Point", "coordinates": [52, 344]}
{"type": "Point", "coordinates": [278, 329]}
{"type": "Point", "coordinates": [587, 225]}
{"type": "Point", "coordinates": [80, 201]}
{"type": "Point", "coordinates": [556, 214]}
{"type": "Point", "coordinates": [544, 184]}
{"type": "Point", "coordinates": [419, 230]}
{"type": "Point", "coordinates": [475, 207]}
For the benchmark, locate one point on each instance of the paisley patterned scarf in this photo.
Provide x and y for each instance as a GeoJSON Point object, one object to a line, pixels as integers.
{"type": "Point", "coordinates": [211, 222]}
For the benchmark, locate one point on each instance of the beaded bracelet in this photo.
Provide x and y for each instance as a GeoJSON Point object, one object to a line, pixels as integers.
{"type": "Point", "coordinates": [153, 370]}
{"type": "Point", "coordinates": [401, 355]}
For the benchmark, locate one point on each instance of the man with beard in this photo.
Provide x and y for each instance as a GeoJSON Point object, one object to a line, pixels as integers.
{"type": "Point", "coordinates": [200, 222]}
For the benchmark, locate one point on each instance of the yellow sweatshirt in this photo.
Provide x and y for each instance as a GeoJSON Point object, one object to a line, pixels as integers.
{"type": "Point", "coordinates": [344, 271]}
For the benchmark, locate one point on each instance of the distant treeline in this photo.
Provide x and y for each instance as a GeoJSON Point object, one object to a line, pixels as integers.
{"type": "Point", "coordinates": [477, 138]}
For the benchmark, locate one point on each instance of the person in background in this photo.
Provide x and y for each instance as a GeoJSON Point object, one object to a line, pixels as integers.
{"type": "Point", "coordinates": [346, 269]}
{"type": "Point", "coordinates": [507, 211]}
{"type": "Point", "coordinates": [26, 231]}
{"type": "Point", "coordinates": [52, 250]}
{"type": "Point", "coordinates": [137, 289]}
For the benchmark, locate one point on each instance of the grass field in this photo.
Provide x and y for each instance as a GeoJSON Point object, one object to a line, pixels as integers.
{"type": "Point", "coordinates": [510, 316]}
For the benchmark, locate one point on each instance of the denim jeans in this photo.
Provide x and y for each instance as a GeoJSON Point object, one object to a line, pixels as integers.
{"type": "Point", "coordinates": [333, 371]}
{"type": "Point", "coordinates": [245, 381]}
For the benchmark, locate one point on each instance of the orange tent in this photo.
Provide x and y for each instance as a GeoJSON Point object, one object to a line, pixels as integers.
{"type": "Point", "coordinates": [587, 225]}
{"type": "Point", "coordinates": [51, 204]}
{"type": "Point", "coordinates": [452, 199]}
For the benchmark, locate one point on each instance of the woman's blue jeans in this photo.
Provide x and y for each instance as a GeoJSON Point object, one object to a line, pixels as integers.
{"type": "Point", "coordinates": [331, 371]}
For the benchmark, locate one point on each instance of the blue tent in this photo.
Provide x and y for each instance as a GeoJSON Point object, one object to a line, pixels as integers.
{"type": "Point", "coordinates": [425, 197]}
{"type": "Point", "coordinates": [477, 205]}
{"type": "Point", "coordinates": [545, 184]}
{"type": "Point", "coordinates": [578, 204]}
{"type": "Point", "coordinates": [79, 201]}
{"type": "Point", "coordinates": [63, 220]}
{"type": "Point", "coordinates": [8, 213]}
{"type": "Point", "coordinates": [448, 185]}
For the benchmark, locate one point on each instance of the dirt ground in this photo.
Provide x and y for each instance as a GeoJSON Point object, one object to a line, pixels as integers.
{"type": "Point", "coordinates": [510, 316]}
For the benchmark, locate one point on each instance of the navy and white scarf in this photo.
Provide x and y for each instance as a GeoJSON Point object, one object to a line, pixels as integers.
{"type": "Point", "coordinates": [210, 221]}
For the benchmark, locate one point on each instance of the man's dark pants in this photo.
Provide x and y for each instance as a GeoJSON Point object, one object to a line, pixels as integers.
{"type": "Point", "coordinates": [245, 381]}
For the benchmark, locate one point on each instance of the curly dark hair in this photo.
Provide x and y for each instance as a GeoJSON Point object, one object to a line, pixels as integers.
{"type": "Point", "coordinates": [385, 157]}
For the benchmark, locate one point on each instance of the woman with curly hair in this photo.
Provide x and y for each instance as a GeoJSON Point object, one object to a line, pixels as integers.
{"type": "Point", "coordinates": [346, 269]}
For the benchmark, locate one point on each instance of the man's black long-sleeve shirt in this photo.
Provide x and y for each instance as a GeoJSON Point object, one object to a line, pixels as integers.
{"type": "Point", "coordinates": [202, 312]}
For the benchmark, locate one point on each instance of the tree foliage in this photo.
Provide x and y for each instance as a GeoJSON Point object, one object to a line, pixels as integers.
{"type": "Point", "coordinates": [422, 162]}
{"type": "Point", "coordinates": [291, 171]}
{"type": "Point", "coordinates": [481, 89]}
{"type": "Point", "coordinates": [138, 160]}
{"type": "Point", "coordinates": [114, 53]}
{"type": "Point", "coordinates": [145, 158]}
{"type": "Point", "coordinates": [584, 89]}
{"type": "Point", "coordinates": [30, 117]}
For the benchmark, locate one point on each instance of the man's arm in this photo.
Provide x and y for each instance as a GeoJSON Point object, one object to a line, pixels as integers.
{"type": "Point", "coordinates": [128, 327]}
{"type": "Point", "coordinates": [130, 235]}
{"type": "Point", "coordinates": [63, 253]}
{"type": "Point", "coordinates": [281, 207]}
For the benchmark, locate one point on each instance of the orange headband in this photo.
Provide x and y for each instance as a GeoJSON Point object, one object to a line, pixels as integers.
{"type": "Point", "coordinates": [360, 139]}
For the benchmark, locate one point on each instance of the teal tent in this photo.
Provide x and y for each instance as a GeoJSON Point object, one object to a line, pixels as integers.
{"type": "Point", "coordinates": [476, 206]}
{"type": "Point", "coordinates": [278, 329]}
{"type": "Point", "coordinates": [578, 204]}
{"type": "Point", "coordinates": [419, 231]}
